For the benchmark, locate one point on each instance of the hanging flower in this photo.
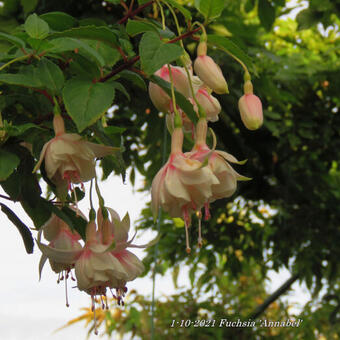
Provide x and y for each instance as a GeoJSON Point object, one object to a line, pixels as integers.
{"type": "Point", "coordinates": [158, 97]}
{"type": "Point", "coordinates": [250, 107]}
{"type": "Point", "coordinates": [62, 251]}
{"type": "Point", "coordinates": [182, 185]}
{"type": "Point", "coordinates": [218, 162]}
{"type": "Point", "coordinates": [69, 158]}
{"type": "Point", "coordinates": [208, 71]}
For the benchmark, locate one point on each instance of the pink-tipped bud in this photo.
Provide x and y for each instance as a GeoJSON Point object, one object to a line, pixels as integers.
{"type": "Point", "coordinates": [211, 74]}
{"type": "Point", "coordinates": [250, 107]}
{"type": "Point", "coordinates": [158, 97]}
{"type": "Point", "coordinates": [209, 103]}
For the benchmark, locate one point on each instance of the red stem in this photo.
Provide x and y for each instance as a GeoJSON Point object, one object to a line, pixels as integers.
{"type": "Point", "coordinates": [132, 61]}
{"type": "Point", "coordinates": [44, 92]}
{"type": "Point", "coordinates": [135, 12]}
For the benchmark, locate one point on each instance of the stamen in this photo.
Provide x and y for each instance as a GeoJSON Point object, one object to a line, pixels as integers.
{"type": "Point", "coordinates": [67, 304]}
{"type": "Point", "coordinates": [188, 249]}
{"type": "Point", "coordinates": [199, 241]}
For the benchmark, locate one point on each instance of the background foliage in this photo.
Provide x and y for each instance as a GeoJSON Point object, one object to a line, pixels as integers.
{"type": "Point", "coordinates": [288, 215]}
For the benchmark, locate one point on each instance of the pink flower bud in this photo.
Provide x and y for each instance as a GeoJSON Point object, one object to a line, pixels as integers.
{"type": "Point", "coordinates": [211, 74]}
{"type": "Point", "coordinates": [250, 107]}
{"type": "Point", "coordinates": [209, 103]}
{"type": "Point", "coordinates": [158, 97]}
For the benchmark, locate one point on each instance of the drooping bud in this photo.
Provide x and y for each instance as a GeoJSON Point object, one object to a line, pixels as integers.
{"type": "Point", "coordinates": [158, 97]}
{"type": "Point", "coordinates": [250, 107]}
{"type": "Point", "coordinates": [209, 103]}
{"type": "Point", "coordinates": [209, 72]}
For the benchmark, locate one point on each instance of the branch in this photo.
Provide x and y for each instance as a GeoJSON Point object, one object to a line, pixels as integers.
{"type": "Point", "coordinates": [132, 61]}
{"type": "Point", "coordinates": [135, 12]}
{"type": "Point", "coordinates": [7, 198]}
{"type": "Point", "coordinates": [281, 290]}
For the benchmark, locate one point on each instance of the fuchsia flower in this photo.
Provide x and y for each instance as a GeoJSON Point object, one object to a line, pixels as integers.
{"type": "Point", "coordinates": [182, 185]}
{"type": "Point", "coordinates": [250, 107]}
{"type": "Point", "coordinates": [69, 158]}
{"type": "Point", "coordinates": [218, 162]}
{"type": "Point", "coordinates": [209, 103]}
{"type": "Point", "coordinates": [62, 251]}
{"type": "Point", "coordinates": [208, 71]}
{"type": "Point", "coordinates": [158, 97]}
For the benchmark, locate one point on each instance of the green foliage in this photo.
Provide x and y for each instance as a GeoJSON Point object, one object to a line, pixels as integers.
{"type": "Point", "coordinates": [36, 27]}
{"type": "Point", "coordinates": [211, 9]}
{"type": "Point", "coordinates": [86, 101]}
{"type": "Point", "coordinates": [154, 53]}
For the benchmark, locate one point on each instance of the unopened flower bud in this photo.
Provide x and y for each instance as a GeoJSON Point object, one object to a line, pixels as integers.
{"type": "Point", "coordinates": [210, 73]}
{"type": "Point", "coordinates": [250, 107]}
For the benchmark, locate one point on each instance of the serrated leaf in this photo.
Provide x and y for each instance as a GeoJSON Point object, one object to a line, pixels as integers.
{"type": "Point", "coordinates": [59, 21]}
{"type": "Point", "coordinates": [51, 75]}
{"type": "Point", "coordinates": [184, 104]}
{"type": "Point", "coordinates": [23, 229]}
{"type": "Point", "coordinates": [134, 27]}
{"type": "Point", "coordinates": [99, 33]}
{"type": "Point", "coordinates": [86, 101]}
{"type": "Point", "coordinates": [210, 8]}
{"type": "Point", "coordinates": [8, 163]}
{"type": "Point", "coordinates": [266, 14]}
{"type": "Point", "coordinates": [36, 27]}
{"type": "Point", "coordinates": [183, 10]}
{"type": "Point", "coordinates": [12, 39]}
{"type": "Point", "coordinates": [154, 53]}
{"type": "Point", "coordinates": [225, 44]}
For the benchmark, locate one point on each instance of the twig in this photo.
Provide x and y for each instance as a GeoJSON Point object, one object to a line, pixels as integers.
{"type": "Point", "coordinates": [132, 61]}
{"type": "Point", "coordinates": [135, 12]}
{"type": "Point", "coordinates": [7, 198]}
{"type": "Point", "coordinates": [281, 290]}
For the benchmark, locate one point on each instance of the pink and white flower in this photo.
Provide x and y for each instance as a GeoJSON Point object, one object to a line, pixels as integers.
{"type": "Point", "coordinates": [182, 185]}
{"type": "Point", "coordinates": [69, 158]}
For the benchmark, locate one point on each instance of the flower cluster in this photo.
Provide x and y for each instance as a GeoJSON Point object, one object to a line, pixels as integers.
{"type": "Point", "coordinates": [102, 263]}
{"type": "Point", "coordinates": [190, 181]}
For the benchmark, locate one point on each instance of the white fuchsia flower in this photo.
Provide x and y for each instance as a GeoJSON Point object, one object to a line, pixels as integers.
{"type": "Point", "coordinates": [250, 107]}
{"type": "Point", "coordinates": [62, 251]}
{"type": "Point", "coordinates": [218, 163]}
{"type": "Point", "coordinates": [69, 158]}
{"type": "Point", "coordinates": [182, 185]}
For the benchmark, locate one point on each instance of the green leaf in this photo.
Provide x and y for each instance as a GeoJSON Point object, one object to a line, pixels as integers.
{"type": "Point", "coordinates": [12, 39]}
{"type": "Point", "coordinates": [183, 10]}
{"type": "Point", "coordinates": [21, 79]}
{"type": "Point", "coordinates": [118, 86]}
{"type": "Point", "coordinates": [17, 130]}
{"type": "Point", "coordinates": [36, 27]}
{"type": "Point", "coordinates": [210, 8]}
{"type": "Point", "coordinates": [51, 75]}
{"type": "Point", "coordinates": [135, 27]}
{"type": "Point", "coordinates": [154, 53]}
{"type": "Point", "coordinates": [266, 14]}
{"type": "Point", "coordinates": [29, 5]}
{"type": "Point", "coordinates": [92, 32]}
{"type": "Point", "coordinates": [23, 229]}
{"type": "Point", "coordinates": [86, 101]}
{"type": "Point", "coordinates": [227, 45]}
{"type": "Point", "coordinates": [59, 21]}
{"type": "Point", "coordinates": [134, 77]}
{"type": "Point", "coordinates": [8, 163]}
{"type": "Point", "coordinates": [184, 104]}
